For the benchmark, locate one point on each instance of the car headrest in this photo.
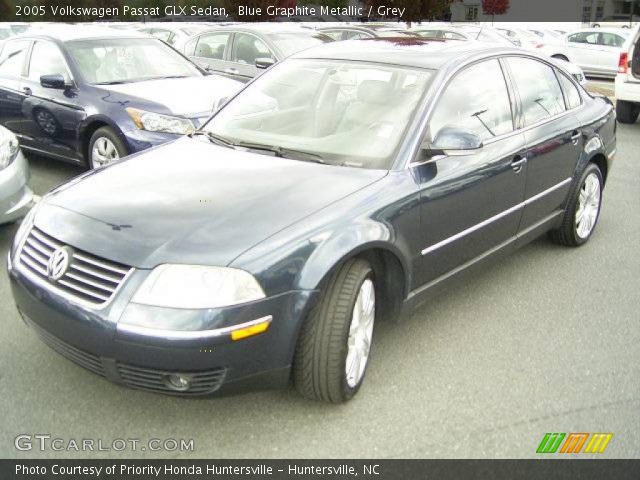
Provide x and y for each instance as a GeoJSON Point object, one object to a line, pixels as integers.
{"type": "Point", "coordinates": [374, 91]}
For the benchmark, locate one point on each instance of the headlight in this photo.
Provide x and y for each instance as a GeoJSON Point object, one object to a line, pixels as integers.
{"type": "Point", "coordinates": [197, 286]}
{"type": "Point", "coordinates": [25, 227]}
{"type": "Point", "coordinates": [9, 147]}
{"type": "Point", "coordinates": [156, 122]}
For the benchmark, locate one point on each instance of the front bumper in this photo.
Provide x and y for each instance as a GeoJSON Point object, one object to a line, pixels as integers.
{"type": "Point", "coordinates": [143, 358]}
{"type": "Point", "coordinates": [139, 140]}
{"type": "Point", "coordinates": [16, 198]}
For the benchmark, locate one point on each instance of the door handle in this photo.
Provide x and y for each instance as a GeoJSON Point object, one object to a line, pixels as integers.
{"type": "Point", "coordinates": [575, 136]}
{"type": "Point", "coordinates": [27, 90]}
{"type": "Point", "coordinates": [518, 162]}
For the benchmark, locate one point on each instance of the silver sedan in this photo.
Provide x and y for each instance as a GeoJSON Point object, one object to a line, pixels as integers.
{"type": "Point", "coordinates": [15, 196]}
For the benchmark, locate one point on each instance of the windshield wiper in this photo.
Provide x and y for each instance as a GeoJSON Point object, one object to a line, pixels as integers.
{"type": "Point", "coordinates": [168, 76]}
{"type": "Point", "coordinates": [213, 138]}
{"type": "Point", "coordinates": [284, 152]}
{"type": "Point", "coordinates": [113, 82]}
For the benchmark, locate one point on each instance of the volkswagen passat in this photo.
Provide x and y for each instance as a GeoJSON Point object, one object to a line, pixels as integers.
{"type": "Point", "coordinates": [340, 187]}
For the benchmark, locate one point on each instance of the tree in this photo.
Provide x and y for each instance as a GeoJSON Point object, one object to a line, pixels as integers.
{"type": "Point", "coordinates": [495, 7]}
{"type": "Point", "coordinates": [416, 10]}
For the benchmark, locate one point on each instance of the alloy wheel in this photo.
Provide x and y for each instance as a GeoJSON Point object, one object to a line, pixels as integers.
{"type": "Point", "coordinates": [588, 206]}
{"type": "Point", "coordinates": [103, 152]}
{"type": "Point", "coordinates": [360, 333]}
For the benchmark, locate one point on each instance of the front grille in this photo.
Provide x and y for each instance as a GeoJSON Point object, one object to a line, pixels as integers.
{"type": "Point", "coordinates": [88, 278]}
{"type": "Point", "coordinates": [202, 383]}
{"type": "Point", "coordinates": [82, 358]}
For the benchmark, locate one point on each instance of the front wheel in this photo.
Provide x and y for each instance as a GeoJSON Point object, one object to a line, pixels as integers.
{"type": "Point", "coordinates": [105, 147]}
{"type": "Point", "coordinates": [583, 209]}
{"type": "Point", "coordinates": [335, 342]}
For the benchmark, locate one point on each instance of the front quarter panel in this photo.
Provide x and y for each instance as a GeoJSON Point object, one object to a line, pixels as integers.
{"type": "Point", "coordinates": [384, 216]}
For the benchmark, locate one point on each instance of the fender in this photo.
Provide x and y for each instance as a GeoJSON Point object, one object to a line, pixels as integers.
{"type": "Point", "coordinates": [336, 248]}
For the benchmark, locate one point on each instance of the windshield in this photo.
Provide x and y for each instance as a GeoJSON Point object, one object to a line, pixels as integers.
{"type": "Point", "coordinates": [336, 112]}
{"type": "Point", "coordinates": [290, 43]}
{"type": "Point", "coordinates": [125, 60]}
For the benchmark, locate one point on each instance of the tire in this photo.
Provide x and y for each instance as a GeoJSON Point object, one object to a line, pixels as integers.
{"type": "Point", "coordinates": [560, 57]}
{"type": "Point", "coordinates": [323, 353]}
{"type": "Point", "coordinates": [116, 148]}
{"type": "Point", "coordinates": [627, 112]}
{"type": "Point", "coordinates": [571, 233]}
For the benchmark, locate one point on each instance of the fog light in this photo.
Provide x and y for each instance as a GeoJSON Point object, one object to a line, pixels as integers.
{"type": "Point", "coordinates": [178, 382]}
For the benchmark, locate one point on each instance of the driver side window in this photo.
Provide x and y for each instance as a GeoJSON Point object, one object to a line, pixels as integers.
{"type": "Point", "coordinates": [247, 49]}
{"type": "Point", "coordinates": [46, 59]}
{"type": "Point", "coordinates": [475, 101]}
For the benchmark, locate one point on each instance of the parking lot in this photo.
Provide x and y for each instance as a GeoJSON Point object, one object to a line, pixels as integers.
{"type": "Point", "coordinates": [546, 341]}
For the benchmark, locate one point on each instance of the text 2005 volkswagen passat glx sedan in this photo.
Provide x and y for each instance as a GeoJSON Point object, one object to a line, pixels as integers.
{"type": "Point", "coordinates": [342, 185]}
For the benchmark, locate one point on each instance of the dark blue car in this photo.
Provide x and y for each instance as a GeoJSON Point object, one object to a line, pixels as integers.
{"type": "Point", "coordinates": [344, 185]}
{"type": "Point", "coordinates": [92, 95]}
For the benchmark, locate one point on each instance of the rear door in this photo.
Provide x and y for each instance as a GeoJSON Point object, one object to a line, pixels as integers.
{"type": "Point", "coordinates": [211, 49]}
{"type": "Point", "coordinates": [13, 65]}
{"type": "Point", "coordinates": [584, 50]}
{"type": "Point", "coordinates": [470, 201]}
{"type": "Point", "coordinates": [552, 132]}
{"type": "Point", "coordinates": [610, 48]}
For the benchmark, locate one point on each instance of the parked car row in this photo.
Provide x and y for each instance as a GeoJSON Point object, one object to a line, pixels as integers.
{"type": "Point", "coordinates": [337, 189]}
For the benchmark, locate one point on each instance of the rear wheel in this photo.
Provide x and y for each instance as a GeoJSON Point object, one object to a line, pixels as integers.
{"type": "Point", "coordinates": [583, 209]}
{"type": "Point", "coordinates": [627, 112]}
{"type": "Point", "coordinates": [105, 147]}
{"type": "Point", "coordinates": [333, 349]}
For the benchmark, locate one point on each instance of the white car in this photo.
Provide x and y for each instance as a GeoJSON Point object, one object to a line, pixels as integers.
{"type": "Point", "coordinates": [595, 50]}
{"type": "Point", "coordinates": [488, 34]}
{"type": "Point", "coordinates": [627, 87]}
{"type": "Point", "coordinates": [175, 34]}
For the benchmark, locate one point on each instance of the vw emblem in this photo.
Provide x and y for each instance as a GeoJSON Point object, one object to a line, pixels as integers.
{"type": "Point", "coordinates": [59, 263]}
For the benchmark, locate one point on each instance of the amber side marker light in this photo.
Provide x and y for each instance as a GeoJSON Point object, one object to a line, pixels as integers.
{"type": "Point", "coordinates": [256, 329]}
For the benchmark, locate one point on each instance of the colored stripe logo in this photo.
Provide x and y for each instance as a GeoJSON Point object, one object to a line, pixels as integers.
{"type": "Point", "coordinates": [574, 442]}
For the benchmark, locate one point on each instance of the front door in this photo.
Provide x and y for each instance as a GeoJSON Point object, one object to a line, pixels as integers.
{"type": "Point", "coordinates": [246, 50]}
{"type": "Point", "coordinates": [471, 200]}
{"type": "Point", "coordinates": [51, 116]}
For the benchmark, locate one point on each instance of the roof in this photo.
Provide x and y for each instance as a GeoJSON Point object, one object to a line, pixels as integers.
{"type": "Point", "coordinates": [412, 52]}
{"type": "Point", "coordinates": [70, 32]}
{"type": "Point", "coordinates": [274, 27]}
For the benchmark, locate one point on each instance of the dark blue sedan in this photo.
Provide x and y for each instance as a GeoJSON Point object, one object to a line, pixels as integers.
{"type": "Point", "coordinates": [90, 95]}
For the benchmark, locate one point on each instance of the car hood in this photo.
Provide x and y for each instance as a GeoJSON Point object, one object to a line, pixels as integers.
{"type": "Point", "coordinates": [189, 97]}
{"type": "Point", "coordinates": [191, 202]}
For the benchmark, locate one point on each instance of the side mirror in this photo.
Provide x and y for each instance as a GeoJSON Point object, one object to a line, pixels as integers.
{"type": "Point", "coordinates": [264, 63]}
{"type": "Point", "coordinates": [450, 141]}
{"type": "Point", "coordinates": [208, 70]}
{"type": "Point", "coordinates": [53, 81]}
{"type": "Point", "coordinates": [456, 139]}
{"type": "Point", "coordinates": [221, 102]}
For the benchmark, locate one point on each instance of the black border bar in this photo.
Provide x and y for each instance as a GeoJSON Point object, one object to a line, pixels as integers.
{"type": "Point", "coordinates": [319, 469]}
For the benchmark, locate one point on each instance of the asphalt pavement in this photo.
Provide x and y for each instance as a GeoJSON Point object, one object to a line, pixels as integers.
{"type": "Point", "coordinates": [547, 340]}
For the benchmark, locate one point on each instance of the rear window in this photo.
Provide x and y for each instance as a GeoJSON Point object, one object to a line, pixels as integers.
{"type": "Point", "coordinates": [571, 93]}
